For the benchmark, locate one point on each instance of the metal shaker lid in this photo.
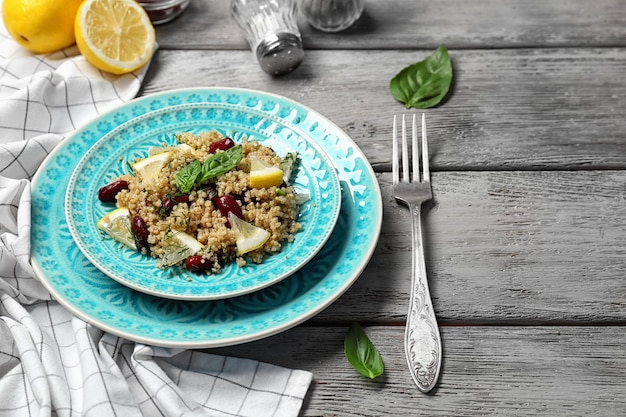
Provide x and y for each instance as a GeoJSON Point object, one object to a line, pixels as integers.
{"type": "Point", "coordinates": [280, 53]}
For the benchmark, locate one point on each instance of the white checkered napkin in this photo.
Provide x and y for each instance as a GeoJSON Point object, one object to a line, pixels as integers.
{"type": "Point", "coordinates": [52, 363]}
{"type": "Point", "coordinates": [54, 93]}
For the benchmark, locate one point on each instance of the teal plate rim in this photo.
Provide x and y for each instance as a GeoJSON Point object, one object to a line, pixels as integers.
{"type": "Point", "coordinates": [111, 155]}
{"type": "Point", "coordinates": [115, 308]}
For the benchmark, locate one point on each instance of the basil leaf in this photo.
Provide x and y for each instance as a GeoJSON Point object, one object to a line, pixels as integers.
{"type": "Point", "coordinates": [186, 177]}
{"type": "Point", "coordinates": [425, 83]}
{"type": "Point", "coordinates": [196, 173]}
{"type": "Point", "coordinates": [287, 165]}
{"type": "Point", "coordinates": [361, 352]}
{"type": "Point", "coordinates": [220, 163]}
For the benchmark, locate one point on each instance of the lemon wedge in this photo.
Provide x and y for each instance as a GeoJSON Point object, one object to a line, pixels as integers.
{"type": "Point", "coordinates": [249, 237]}
{"type": "Point", "coordinates": [150, 167]}
{"type": "Point", "coordinates": [263, 175]}
{"type": "Point", "coordinates": [180, 246]}
{"type": "Point", "coordinates": [117, 225]}
{"type": "Point", "coordinates": [114, 35]}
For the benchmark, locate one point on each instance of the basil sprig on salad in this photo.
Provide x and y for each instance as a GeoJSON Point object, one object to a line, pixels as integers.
{"type": "Point", "coordinates": [195, 173]}
{"type": "Point", "coordinates": [425, 83]}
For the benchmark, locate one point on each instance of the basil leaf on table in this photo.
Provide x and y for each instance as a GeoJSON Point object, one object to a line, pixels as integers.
{"type": "Point", "coordinates": [186, 177]}
{"type": "Point", "coordinates": [361, 352]}
{"type": "Point", "coordinates": [220, 163]}
{"type": "Point", "coordinates": [425, 83]}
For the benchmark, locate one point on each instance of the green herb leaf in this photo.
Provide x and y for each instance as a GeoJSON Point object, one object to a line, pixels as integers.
{"type": "Point", "coordinates": [361, 352]}
{"type": "Point", "coordinates": [287, 165]}
{"type": "Point", "coordinates": [196, 173]}
{"type": "Point", "coordinates": [220, 163]}
{"type": "Point", "coordinates": [425, 83]}
{"type": "Point", "coordinates": [186, 177]}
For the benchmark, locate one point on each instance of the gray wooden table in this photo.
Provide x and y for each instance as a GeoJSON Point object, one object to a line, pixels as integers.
{"type": "Point", "coordinates": [526, 237]}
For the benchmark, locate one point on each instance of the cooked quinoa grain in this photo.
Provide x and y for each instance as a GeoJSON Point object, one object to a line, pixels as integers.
{"type": "Point", "coordinates": [166, 210]}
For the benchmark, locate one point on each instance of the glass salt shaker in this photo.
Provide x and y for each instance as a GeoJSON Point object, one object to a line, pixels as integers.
{"type": "Point", "coordinates": [163, 11]}
{"type": "Point", "coordinates": [332, 15]}
{"type": "Point", "coordinates": [272, 32]}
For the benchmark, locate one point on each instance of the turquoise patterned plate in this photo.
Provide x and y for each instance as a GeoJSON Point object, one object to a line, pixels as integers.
{"type": "Point", "coordinates": [105, 303]}
{"type": "Point", "coordinates": [145, 127]}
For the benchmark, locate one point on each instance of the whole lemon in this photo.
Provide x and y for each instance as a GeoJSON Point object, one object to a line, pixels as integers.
{"type": "Point", "coordinates": [41, 25]}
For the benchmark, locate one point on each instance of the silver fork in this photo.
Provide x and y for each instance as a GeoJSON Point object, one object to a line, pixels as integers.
{"type": "Point", "coordinates": [422, 343]}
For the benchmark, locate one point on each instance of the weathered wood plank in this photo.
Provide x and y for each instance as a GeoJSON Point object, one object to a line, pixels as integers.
{"type": "Point", "coordinates": [401, 24]}
{"type": "Point", "coordinates": [514, 247]}
{"type": "Point", "coordinates": [526, 231]}
{"type": "Point", "coordinates": [491, 371]}
{"type": "Point", "coordinates": [508, 109]}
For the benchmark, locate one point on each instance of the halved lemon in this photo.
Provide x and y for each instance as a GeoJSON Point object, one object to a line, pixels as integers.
{"type": "Point", "coordinates": [180, 246]}
{"type": "Point", "coordinates": [249, 237]}
{"type": "Point", "coordinates": [117, 225]}
{"type": "Point", "coordinates": [263, 175]}
{"type": "Point", "coordinates": [114, 35]}
{"type": "Point", "coordinates": [149, 168]}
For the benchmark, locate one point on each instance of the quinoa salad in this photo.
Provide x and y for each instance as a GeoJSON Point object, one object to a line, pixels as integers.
{"type": "Point", "coordinates": [204, 203]}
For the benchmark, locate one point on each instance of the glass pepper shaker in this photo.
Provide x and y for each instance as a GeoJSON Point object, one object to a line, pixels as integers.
{"type": "Point", "coordinates": [272, 32]}
{"type": "Point", "coordinates": [332, 15]}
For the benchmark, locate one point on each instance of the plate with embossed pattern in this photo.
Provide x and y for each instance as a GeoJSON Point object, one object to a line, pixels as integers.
{"type": "Point", "coordinates": [111, 156]}
{"type": "Point", "coordinates": [118, 309]}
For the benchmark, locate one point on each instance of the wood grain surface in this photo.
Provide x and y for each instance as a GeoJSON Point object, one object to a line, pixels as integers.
{"type": "Point", "coordinates": [490, 371]}
{"type": "Point", "coordinates": [508, 110]}
{"type": "Point", "coordinates": [526, 235]}
{"type": "Point", "coordinates": [409, 24]}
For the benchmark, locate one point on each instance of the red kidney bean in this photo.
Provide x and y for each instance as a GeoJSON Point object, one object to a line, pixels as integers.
{"type": "Point", "coordinates": [222, 145]}
{"type": "Point", "coordinates": [170, 202]}
{"type": "Point", "coordinates": [197, 263]}
{"type": "Point", "coordinates": [140, 232]}
{"type": "Point", "coordinates": [107, 193]}
{"type": "Point", "coordinates": [226, 204]}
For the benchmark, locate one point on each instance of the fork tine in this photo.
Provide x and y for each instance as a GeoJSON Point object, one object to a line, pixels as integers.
{"type": "Point", "coordinates": [405, 152]}
{"type": "Point", "coordinates": [415, 153]}
{"type": "Point", "coordinates": [425, 150]}
{"type": "Point", "coordinates": [394, 151]}
{"type": "Point", "coordinates": [400, 152]}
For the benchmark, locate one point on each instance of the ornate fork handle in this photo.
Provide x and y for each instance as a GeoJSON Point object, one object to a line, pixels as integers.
{"type": "Point", "coordinates": [422, 341]}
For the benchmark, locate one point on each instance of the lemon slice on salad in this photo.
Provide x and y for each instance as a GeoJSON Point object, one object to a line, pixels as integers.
{"type": "Point", "coordinates": [180, 246]}
{"type": "Point", "coordinates": [117, 225]}
{"type": "Point", "coordinates": [263, 175]}
{"type": "Point", "coordinates": [249, 237]}
{"type": "Point", "coordinates": [150, 167]}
